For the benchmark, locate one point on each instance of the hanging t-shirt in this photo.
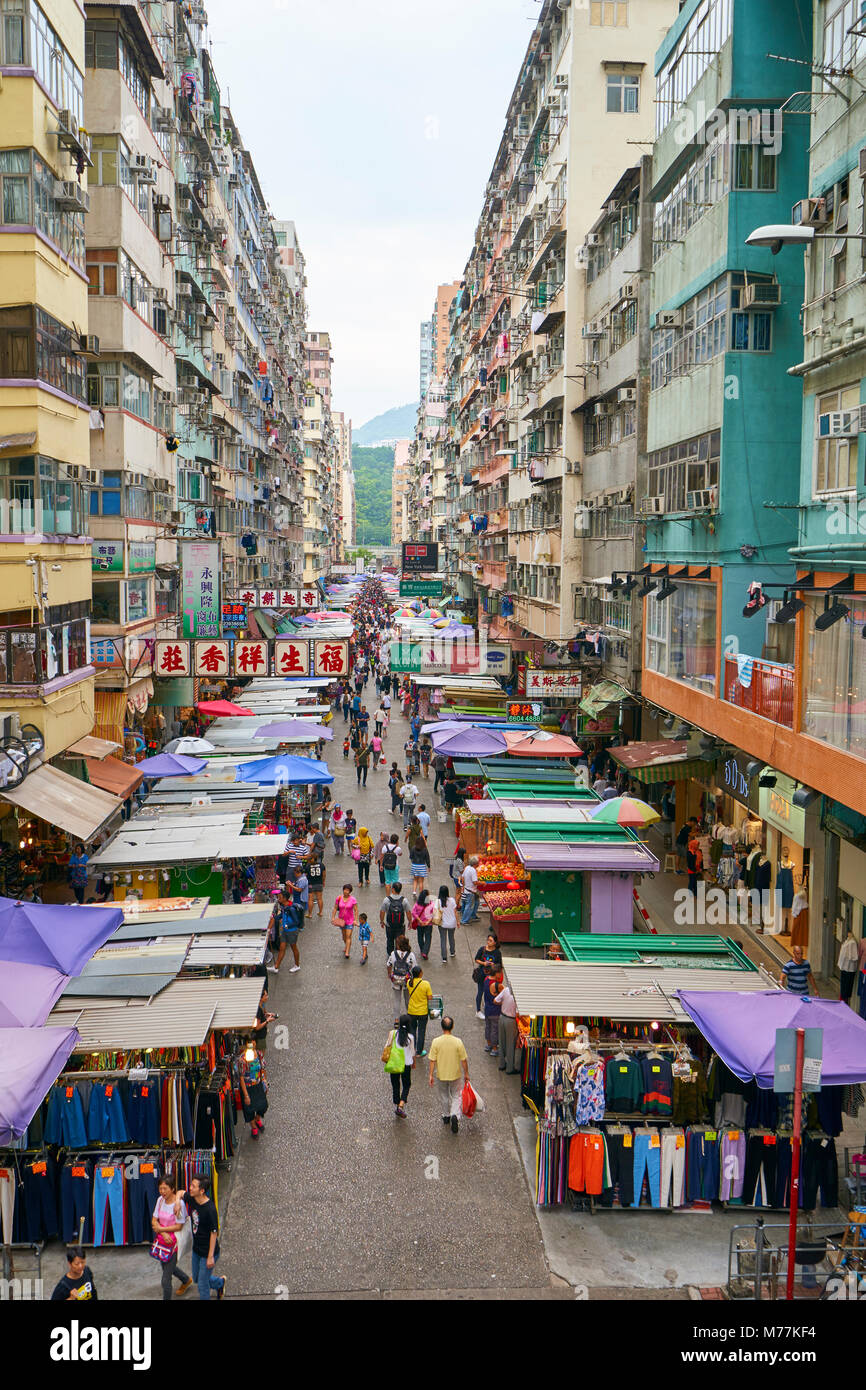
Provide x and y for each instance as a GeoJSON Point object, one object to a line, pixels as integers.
{"type": "Point", "coordinates": [589, 1092]}
{"type": "Point", "coordinates": [623, 1083]}
{"type": "Point", "coordinates": [658, 1084]}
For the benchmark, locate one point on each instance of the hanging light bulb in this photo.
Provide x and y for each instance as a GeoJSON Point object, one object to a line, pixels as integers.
{"type": "Point", "coordinates": [569, 1027]}
{"type": "Point", "coordinates": [250, 1054]}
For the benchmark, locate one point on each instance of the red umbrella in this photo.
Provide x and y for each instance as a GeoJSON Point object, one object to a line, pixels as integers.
{"type": "Point", "coordinates": [540, 744]}
{"type": "Point", "coordinates": [224, 707]}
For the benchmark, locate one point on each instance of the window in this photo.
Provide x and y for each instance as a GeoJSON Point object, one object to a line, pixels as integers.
{"type": "Point", "coordinates": [27, 199]}
{"type": "Point", "coordinates": [842, 49]}
{"type": "Point", "coordinates": [137, 599]}
{"type": "Point", "coordinates": [835, 676]}
{"type": "Point", "coordinates": [106, 601]}
{"type": "Point", "coordinates": [117, 386]}
{"type": "Point", "coordinates": [835, 456]}
{"type": "Point", "coordinates": [678, 469]}
{"type": "Point", "coordinates": [613, 13]}
{"type": "Point", "coordinates": [754, 167]}
{"type": "Point", "coordinates": [681, 635]}
{"type": "Point", "coordinates": [38, 495]}
{"type": "Point", "coordinates": [705, 332]}
{"type": "Point", "coordinates": [35, 345]}
{"type": "Point", "coordinates": [101, 271]}
{"type": "Point", "coordinates": [701, 41]}
{"type": "Point", "coordinates": [699, 188]}
{"type": "Point", "coordinates": [623, 89]}
{"type": "Point", "coordinates": [27, 39]}
{"type": "Point", "coordinates": [100, 47]}
{"type": "Point", "coordinates": [111, 165]}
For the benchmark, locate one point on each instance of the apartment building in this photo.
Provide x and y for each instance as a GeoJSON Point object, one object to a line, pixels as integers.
{"type": "Point", "coordinates": [345, 486]}
{"type": "Point", "coordinates": [319, 364]}
{"type": "Point", "coordinates": [400, 492]}
{"type": "Point", "coordinates": [46, 676]}
{"type": "Point", "coordinates": [320, 453]}
{"type": "Point", "coordinates": [425, 357]}
{"type": "Point", "coordinates": [440, 328]}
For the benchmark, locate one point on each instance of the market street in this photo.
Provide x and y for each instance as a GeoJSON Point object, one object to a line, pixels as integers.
{"type": "Point", "coordinates": [337, 1196]}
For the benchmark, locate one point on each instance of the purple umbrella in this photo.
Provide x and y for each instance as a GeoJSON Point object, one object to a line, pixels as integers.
{"type": "Point", "coordinates": [28, 993]}
{"type": "Point", "coordinates": [469, 743]}
{"type": "Point", "coordinates": [294, 729]}
{"type": "Point", "coordinates": [170, 765]}
{"type": "Point", "coordinates": [741, 1027]}
{"type": "Point", "coordinates": [61, 936]}
{"type": "Point", "coordinates": [33, 1058]}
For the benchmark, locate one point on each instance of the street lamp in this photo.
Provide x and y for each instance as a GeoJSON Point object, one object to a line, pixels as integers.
{"type": "Point", "coordinates": [779, 234]}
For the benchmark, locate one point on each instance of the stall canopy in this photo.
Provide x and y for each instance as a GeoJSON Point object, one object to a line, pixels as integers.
{"type": "Point", "coordinates": [287, 772]}
{"type": "Point", "coordinates": [602, 694]}
{"type": "Point", "coordinates": [113, 776]}
{"type": "Point", "coordinates": [216, 708]}
{"type": "Point", "coordinates": [171, 765]}
{"type": "Point", "coordinates": [541, 744]}
{"type": "Point", "coordinates": [468, 742]}
{"type": "Point", "coordinates": [65, 801]}
{"type": "Point", "coordinates": [28, 993]}
{"type": "Point", "coordinates": [742, 1029]}
{"type": "Point", "coordinates": [297, 729]}
{"type": "Point", "coordinates": [90, 747]}
{"type": "Point", "coordinates": [189, 747]}
{"type": "Point", "coordinates": [62, 937]}
{"type": "Point", "coordinates": [33, 1058]}
{"type": "Point", "coordinates": [663, 761]}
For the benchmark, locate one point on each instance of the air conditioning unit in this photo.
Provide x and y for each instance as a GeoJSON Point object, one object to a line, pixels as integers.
{"type": "Point", "coordinates": [840, 423]}
{"type": "Point", "coordinates": [592, 330]}
{"type": "Point", "coordinates": [161, 203]}
{"type": "Point", "coordinates": [652, 506]}
{"type": "Point", "coordinates": [571, 467]}
{"type": "Point", "coordinates": [626, 395]}
{"type": "Point", "coordinates": [561, 82]}
{"type": "Point", "coordinates": [602, 408]}
{"type": "Point", "coordinates": [765, 293]}
{"type": "Point", "coordinates": [137, 479]}
{"type": "Point", "coordinates": [93, 476]}
{"type": "Point", "coordinates": [702, 500]}
{"type": "Point", "coordinates": [160, 296]}
{"type": "Point", "coordinates": [624, 494]}
{"type": "Point", "coordinates": [552, 102]}
{"type": "Point", "coordinates": [67, 124]}
{"type": "Point", "coordinates": [582, 255]}
{"type": "Point", "coordinates": [629, 289]}
{"type": "Point", "coordinates": [145, 168]}
{"type": "Point", "coordinates": [669, 318]}
{"type": "Point", "coordinates": [234, 181]}
{"type": "Point", "coordinates": [593, 239]}
{"type": "Point", "coordinates": [89, 344]}
{"type": "Point", "coordinates": [810, 212]}
{"type": "Point", "coordinates": [70, 196]}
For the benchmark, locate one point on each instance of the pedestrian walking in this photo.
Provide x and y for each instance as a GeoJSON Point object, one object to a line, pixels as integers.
{"type": "Point", "coordinates": [362, 853]}
{"type": "Point", "coordinates": [422, 921]}
{"type": "Point", "coordinates": [390, 857]}
{"type": "Point", "coordinates": [254, 1091]}
{"type": "Point", "coordinates": [423, 816]}
{"type": "Point", "coordinates": [469, 896]}
{"type": "Point", "coordinates": [347, 705]}
{"type": "Point", "coordinates": [379, 720]}
{"type": "Point", "coordinates": [351, 824]}
{"type": "Point", "coordinates": [450, 796]}
{"type": "Point", "coordinates": [76, 872]}
{"type": "Point", "coordinates": [395, 781]}
{"type": "Point", "coordinates": [492, 1010]}
{"type": "Point", "coordinates": [447, 923]}
{"type": "Point", "coordinates": [316, 874]}
{"type": "Point", "coordinates": [408, 796]}
{"type": "Point", "coordinates": [365, 936]}
{"type": "Point", "coordinates": [362, 763]}
{"type": "Point", "coordinates": [300, 886]}
{"type": "Point", "coordinates": [425, 752]}
{"type": "Point", "coordinates": [345, 916]}
{"type": "Point", "coordinates": [439, 763]}
{"type": "Point", "coordinates": [455, 871]}
{"type": "Point", "coordinates": [507, 1031]}
{"type": "Point", "coordinates": [399, 1058]}
{"type": "Point", "coordinates": [205, 1237]}
{"type": "Point", "coordinates": [363, 721]}
{"type": "Point", "coordinates": [78, 1284]}
{"type": "Point", "coordinates": [289, 926]}
{"type": "Point", "coordinates": [419, 859]}
{"type": "Point", "coordinates": [168, 1223]}
{"type": "Point", "coordinates": [393, 915]}
{"type": "Point", "coordinates": [488, 954]}
{"type": "Point", "coordinates": [338, 830]}
{"type": "Point", "coordinates": [401, 962]}
{"type": "Point", "coordinates": [447, 1059]}
{"type": "Point", "coordinates": [694, 863]}
{"type": "Point", "coordinates": [377, 751]}
{"type": "Point", "coordinates": [378, 851]}
{"type": "Point", "coordinates": [418, 995]}
{"type": "Point", "coordinates": [410, 752]}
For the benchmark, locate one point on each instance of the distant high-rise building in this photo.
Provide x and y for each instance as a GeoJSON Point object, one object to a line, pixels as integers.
{"type": "Point", "coordinates": [426, 359]}
{"type": "Point", "coordinates": [319, 362]}
{"type": "Point", "coordinates": [399, 492]}
{"type": "Point", "coordinates": [445, 295]}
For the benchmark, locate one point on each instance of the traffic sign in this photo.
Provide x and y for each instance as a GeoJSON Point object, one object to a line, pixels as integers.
{"type": "Point", "coordinates": [421, 588]}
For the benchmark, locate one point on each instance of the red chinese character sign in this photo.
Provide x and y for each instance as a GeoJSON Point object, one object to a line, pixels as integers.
{"type": "Point", "coordinates": [211, 658]}
{"type": "Point", "coordinates": [172, 659]}
{"type": "Point", "coordinates": [251, 658]}
{"type": "Point", "coordinates": [288, 598]}
{"type": "Point", "coordinates": [309, 598]}
{"type": "Point", "coordinates": [330, 658]}
{"type": "Point", "coordinates": [291, 658]}
{"type": "Point", "coordinates": [564, 683]}
{"type": "Point", "coordinates": [248, 596]}
{"type": "Point", "coordinates": [267, 598]}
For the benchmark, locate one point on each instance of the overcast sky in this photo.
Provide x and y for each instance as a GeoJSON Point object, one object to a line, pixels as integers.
{"type": "Point", "coordinates": [372, 124]}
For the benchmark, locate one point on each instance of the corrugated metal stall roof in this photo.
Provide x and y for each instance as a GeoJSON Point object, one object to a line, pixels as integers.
{"type": "Point", "coordinates": [124, 987]}
{"type": "Point", "coordinates": [569, 990]}
{"type": "Point", "coordinates": [227, 948]}
{"type": "Point", "coordinates": [164, 1023]}
{"type": "Point", "coordinates": [226, 918]}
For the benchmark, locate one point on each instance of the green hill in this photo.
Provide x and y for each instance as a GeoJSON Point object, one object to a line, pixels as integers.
{"type": "Point", "coordinates": [397, 423]}
{"type": "Point", "coordinates": [373, 469]}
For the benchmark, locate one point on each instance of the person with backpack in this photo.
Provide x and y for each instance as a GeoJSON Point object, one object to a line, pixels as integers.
{"type": "Point", "coordinates": [409, 796]}
{"type": "Point", "coordinates": [401, 963]}
{"type": "Point", "coordinates": [379, 850]}
{"type": "Point", "coordinates": [422, 921]}
{"type": "Point", "coordinates": [395, 781]}
{"type": "Point", "coordinates": [362, 762]}
{"type": "Point", "coordinates": [393, 915]}
{"type": "Point", "coordinates": [316, 874]}
{"type": "Point", "coordinates": [389, 859]}
{"type": "Point", "coordinates": [440, 762]}
{"type": "Point", "coordinates": [399, 1058]}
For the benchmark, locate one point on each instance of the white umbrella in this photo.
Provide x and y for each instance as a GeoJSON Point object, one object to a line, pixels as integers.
{"type": "Point", "coordinates": [190, 746]}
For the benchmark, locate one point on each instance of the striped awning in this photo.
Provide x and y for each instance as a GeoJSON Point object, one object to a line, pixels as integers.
{"type": "Point", "coordinates": [672, 772]}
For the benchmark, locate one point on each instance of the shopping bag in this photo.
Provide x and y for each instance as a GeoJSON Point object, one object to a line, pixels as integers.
{"type": "Point", "coordinates": [467, 1100]}
{"type": "Point", "coordinates": [479, 1103]}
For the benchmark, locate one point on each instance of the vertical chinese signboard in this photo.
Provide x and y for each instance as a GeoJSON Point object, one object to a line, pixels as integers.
{"type": "Point", "coordinates": [200, 562]}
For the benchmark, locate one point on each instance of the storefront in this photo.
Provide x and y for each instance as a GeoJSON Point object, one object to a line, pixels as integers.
{"type": "Point", "coordinates": [844, 879]}
{"type": "Point", "coordinates": [790, 857]}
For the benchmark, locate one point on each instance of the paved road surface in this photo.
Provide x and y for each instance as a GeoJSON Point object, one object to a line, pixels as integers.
{"type": "Point", "coordinates": [339, 1197]}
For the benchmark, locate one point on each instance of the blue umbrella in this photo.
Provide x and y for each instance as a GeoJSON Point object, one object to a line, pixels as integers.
{"type": "Point", "coordinates": [170, 765]}
{"type": "Point", "coordinates": [285, 771]}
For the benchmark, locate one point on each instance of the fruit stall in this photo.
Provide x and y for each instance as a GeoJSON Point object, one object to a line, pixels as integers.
{"type": "Point", "coordinates": [504, 884]}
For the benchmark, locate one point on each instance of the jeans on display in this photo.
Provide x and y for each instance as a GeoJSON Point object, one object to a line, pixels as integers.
{"type": "Point", "coordinates": [702, 1166]}
{"type": "Point", "coordinates": [65, 1123]}
{"type": "Point", "coordinates": [647, 1157]}
{"type": "Point", "coordinates": [820, 1171]}
{"type": "Point", "coordinates": [673, 1167]}
{"type": "Point", "coordinates": [204, 1277]}
{"type": "Point", "coordinates": [732, 1164]}
{"type": "Point", "coordinates": [620, 1161]}
{"type": "Point", "coordinates": [401, 1082]}
{"type": "Point", "coordinates": [507, 1043]}
{"type": "Point", "coordinates": [170, 1270]}
{"type": "Point", "coordinates": [40, 1202]}
{"type": "Point", "coordinates": [425, 937]}
{"type": "Point", "coordinates": [759, 1185]}
{"type": "Point", "coordinates": [75, 1201]}
{"type": "Point", "coordinates": [144, 1116]}
{"type": "Point", "coordinates": [106, 1121]}
{"type": "Point", "coordinates": [446, 940]}
{"type": "Point", "coordinates": [108, 1199]}
{"type": "Point", "coordinates": [142, 1193]}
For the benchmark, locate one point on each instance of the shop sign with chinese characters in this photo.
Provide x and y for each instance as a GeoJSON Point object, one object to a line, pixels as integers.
{"type": "Point", "coordinates": [330, 658]}
{"type": "Point", "coordinates": [234, 617]}
{"type": "Point", "coordinates": [298, 599]}
{"type": "Point", "coordinates": [519, 712]}
{"type": "Point", "coordinates": [561, 685]}
{"type": "Point", "coordinates": [282, 656]}
{"type": "Point", "coordinates": [211, 658]}
{"type": "Point", "coordinates": [173, 659]}
{"type": "Point", "coordinates": [251, 658]}
{"type": "Point", "coordinates": [291, 658]}
{"type": "Point", "coordinates": [200, 588]}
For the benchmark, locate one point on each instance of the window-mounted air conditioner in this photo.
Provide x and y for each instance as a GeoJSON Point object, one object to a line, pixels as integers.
{"type": "Point", "coordinates": [626, 395]}
{"type": "Point", "coordinates": [652, 506]}
{"type": "Point", "coordinates": [593, 239]}
{"type": "Point", "coordinates": [763, 293]}
{"type": "Point", "coordinates": [810, 212]}
{"type": "Point", "coordinates": [840, 423]}
{"type": "Point", "coordinates": [602, 408]}
{"type": "Point", "coordinates": [629, 289]}
{"type": "Point", "coordinates": [592, 330]}
{"type": "Point", "coordinates": [702, 500]}
{"type": "Point", "coordinates": [552, 102]}
{"type": "Point", "coordinates": [70, 196]}
{"type": "Point", "coordinates": [561, 81]}
{"type": "Point", "coordinates": [669, 318]}
{"type": "Point", "coordinates": [160, 296]}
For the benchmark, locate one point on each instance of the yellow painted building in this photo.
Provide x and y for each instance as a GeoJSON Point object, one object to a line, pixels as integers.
{"type": "Point", "coordinates": [45, 556]}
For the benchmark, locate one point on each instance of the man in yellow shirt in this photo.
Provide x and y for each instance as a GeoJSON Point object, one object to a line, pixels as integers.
{"type": "Point", "coordinates": [418, 995]}
{"type": "Point", "coordinates": [447, 1056]}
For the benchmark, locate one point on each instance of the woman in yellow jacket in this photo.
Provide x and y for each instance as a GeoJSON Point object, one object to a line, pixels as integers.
{"type": "Point", "coordinates": [362, 853]}
{"type": "Point", "coordinates": [418, 995]}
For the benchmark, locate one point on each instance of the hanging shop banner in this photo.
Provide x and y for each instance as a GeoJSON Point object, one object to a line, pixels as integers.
{"type": "Point", "coordinates": [496, 659]}
{"type": "Point", "coordinates": [200, 592]}
{"type": "Point", "coordinates": [342, 569]}
{"type": "Point", "coordinates": [173, 659]}
{"type": "Point", "coordinates": [565, 684]}
{"type": "Point", "coordinates": [330, 658]}
{"type": "Point", "coordinates": [251, 658]}
{"type": "Point", "coordinates": [269, 598]}
{"type": "Point", "coordinates": [234, 617]}
{"type": "Point", "coordinates": [107, 557]}
{"type": "Point", "coordinates": [291, 658]}
{"type": "Point", "coordinates": [420, 559]}
{"type": "Point", "coordinates": [733, 779]}
{"type": "Point", "coordinates": [776, 806]}
{"type": "Point", "coordinates": [288, 598]}
{"type": "Point", "coordinates": [142, 557]}
{"type": "Point", "coordinates": [107, 653]}
{"type": "Point", "coordinates": [519, 711]}
{"type": "Point", "coordinates": [211, 658]}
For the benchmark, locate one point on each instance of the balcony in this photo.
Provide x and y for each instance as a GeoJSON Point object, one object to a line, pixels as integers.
{"type": "Point", "coordinates": [770, 692]}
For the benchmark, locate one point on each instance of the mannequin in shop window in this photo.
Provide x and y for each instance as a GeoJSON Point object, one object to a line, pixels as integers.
{"type": "Point", "coordinates": [763, 873]}
{"type": "Point", "coordinates": [847, 963]}
{"type": "Point", "coordinates": [785, 886]}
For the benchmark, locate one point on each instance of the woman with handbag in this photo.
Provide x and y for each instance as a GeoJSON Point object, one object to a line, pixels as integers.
{"type": "Point", "coordinates": [447, 921]}
{"type": "Point", "coordinates": [399, 1059]}
{"type": "Point", "coordinates": [422, 920]}
{"type": "Point", "coordinates": [169, 1219]}
{"type": "Point", "coordinates": [345, 916]}
{"type": "Point", "coordinates": [488, 954]}
{"type": "Point", "coordinates": [338, 829]}
{"type": "Point", "coordinates": [362, 853]}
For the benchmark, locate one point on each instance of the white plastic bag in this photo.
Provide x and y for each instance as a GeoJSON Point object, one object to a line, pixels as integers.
{"type": "Point", "coordinates": [479, 1103]}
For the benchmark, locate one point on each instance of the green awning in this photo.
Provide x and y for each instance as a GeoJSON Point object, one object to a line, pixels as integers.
{"type": "Point", "coordinates": [671, 772]}
{"type": "Point", "coordinates": [602, 694]}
